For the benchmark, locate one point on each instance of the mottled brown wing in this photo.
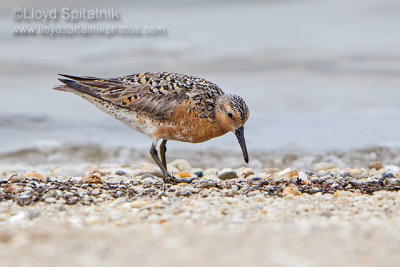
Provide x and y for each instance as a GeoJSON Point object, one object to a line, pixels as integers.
{"type": "Point", "coordinates": [136, 97]}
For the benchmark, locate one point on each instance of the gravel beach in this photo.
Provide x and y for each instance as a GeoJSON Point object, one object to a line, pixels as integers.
{"type": "Point", "coordinates": [120, 215]}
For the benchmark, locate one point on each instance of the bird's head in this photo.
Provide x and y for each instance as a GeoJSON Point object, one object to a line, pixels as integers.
{"type": "Point", "coordinates": [232, 113]}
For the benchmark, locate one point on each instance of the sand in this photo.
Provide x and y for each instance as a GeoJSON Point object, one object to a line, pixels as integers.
{"type": "Point", "coordinates": [123, 216]}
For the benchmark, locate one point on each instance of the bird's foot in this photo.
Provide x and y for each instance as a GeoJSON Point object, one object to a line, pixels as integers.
{"type": "Point", "coordinates": [173, 180]}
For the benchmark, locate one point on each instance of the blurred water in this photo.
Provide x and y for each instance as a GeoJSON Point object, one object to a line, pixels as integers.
{"type": "Point", "coordinates": [316, 74]}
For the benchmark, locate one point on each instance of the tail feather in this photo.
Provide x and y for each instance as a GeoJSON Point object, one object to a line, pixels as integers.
{"type": "Point", "coordinates": [85, 85]}
{"type": "Point", "coordinates": [73, 86]}
{"type": "Point", "coordinates": [77, 78]}
{"type": "Point", "coordinates": [88, 78]}
{"type": "Point", "coordinates": [65, 88]}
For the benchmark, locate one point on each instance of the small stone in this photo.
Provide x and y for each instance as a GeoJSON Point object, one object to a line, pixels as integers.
{"type": "Point", "coordinates": [387, 176]}
{"type": "Point", "coordinates": [96, 192]}
{"type": "Point", "coordinates": [209, 183]}
{"type": "Point", "coordinates": [146, 175]}
{"type": "Point", "coordinates": [50, 200]}
{"type": "Point", "coordinates": [94, 178]}
{"type": "Point", "coordinates": [357, 173]}
{"type": "Point", "coordinates": [104, 196]}
{"type": "Point", "coordinates": [199, 174]}
{"type": "Point", "coordinates": [53, 193]}
{"type": "Point", "coordinates": [324, 166]}
{"type": "Point", "coordinates": [291, 191]}
{"type": "Point", "coordinates": [183, 193]}
{"type": "Point", "coordinates": [392, 168]}
{"type": "Point", "coordinates": [72, 200]}
{"type": "Point", "coordinates": [270, 171]}
{"type": "Point", "coordinates": [211, 172]}
{"type": "Point", "coordinates": [117, 179]}
{"type": "Point", "coordinates": [302, 176]}
{"type": "Point", "coordinates": [226, 175]}
{"type": "Point", "coordinates": [375, 165]}
{"type": "Point", "coordinates": [289, 173]}
{"type": "Point", "coordinates": [16, 178]}
{"type": "Point", "coordinates": [181, 164]}
{"type": "Point", "coordinates": [182, 174]}
{"type": "Point", "coordinates": [149, 181]}
{"type": "Point", "coordinates": [76, 179]}
{"type": "Point", "coordinates": [34, 175]}
{"type": "Point", "coordinates": [120, 172]}
{"type": "Point", "coordinates": [335, 185]}
{"type": "Point", "coordinates": [244, 172]}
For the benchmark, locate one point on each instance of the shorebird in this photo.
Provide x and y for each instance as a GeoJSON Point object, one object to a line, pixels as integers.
{"type": "Point", "coordinates": [165, 106]}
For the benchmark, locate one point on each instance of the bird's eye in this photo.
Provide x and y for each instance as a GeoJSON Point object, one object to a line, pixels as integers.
{"type": "Point", "coordinates": [230, 115]}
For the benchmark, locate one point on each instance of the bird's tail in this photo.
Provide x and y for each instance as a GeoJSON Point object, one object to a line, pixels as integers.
{"type": "Point", "coordinates": [78, 85]}
{"type": "Point", "coordinates": [87, 85]}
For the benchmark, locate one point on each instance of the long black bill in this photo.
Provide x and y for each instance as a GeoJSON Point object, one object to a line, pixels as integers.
{"type": "Point", "coordinates": [240, 137]}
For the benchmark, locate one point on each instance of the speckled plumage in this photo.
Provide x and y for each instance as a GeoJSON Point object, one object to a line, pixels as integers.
{"type": "Point", "coordinates": [162, 105]}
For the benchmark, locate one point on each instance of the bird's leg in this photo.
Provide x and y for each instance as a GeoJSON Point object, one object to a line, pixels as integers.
{"type": "Point", "coordinates": [154, 155]}
{"type": "Point", "coordinates": [163, 150]}
{"type": "Point", "coordinates": [166, 176]}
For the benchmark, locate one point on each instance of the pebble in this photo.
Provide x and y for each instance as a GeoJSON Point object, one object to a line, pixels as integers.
{"type": "Point", "coordinates": [375, 165]}
{"type": "Point", "coordinates": [148, 181]}
{"type": "Point", "coordinates": [392, 168]}
{"type": "Point", "coordinates": [211, 172]}
{"type": "Point", "coordinates": [104, 196]}
{"type": "Point", "coordinates": [199, 174]}
{"type": "Point", "coordinates": [94, 178]}
{"type": "Point", "coordinates": [182, 175]}
{"type": "Point", "coordinates": [324, 166]}
{"type": "Point", "coordinates": [226, 175]}
{"type": "Point", "coordinates": [50, 200]}
{"type": "Point", "coordinates": [357, 173]}
{"type": "Point", "coordinates": [270, 171]}
{"type": "Point", "coordinates": [146, 175]}
{"type": "Point", "coordinates": [35, 175]}
{"type": "Point", "coordinates": [76, 179]}
{"type": "Point", "coordinates": [100, 187]}
{"type": "Point", "coordinates": [289, 173]}
{"type": "Point", "coordinates": [291, 191]}
{"type": "Point", "coordinates": [96, 192]}
{"type": "Point", "coordinates": [117, 179]}
{"type": "Point", "coordinates": [184, 193]}
{"type": "Point", "coordinates": [16, 178]}
{"type": "Point", "coordinates": [302, 176]}
{"type": "Point", "coordinates": [120, 172]}
{"type": "Point", "coordinates": [181, 164]}
{"type": "Point", "coordinates": [244, 172]}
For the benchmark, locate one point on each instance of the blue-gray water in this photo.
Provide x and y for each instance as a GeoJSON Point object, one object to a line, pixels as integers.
{"type": "Point", "coordinates": [317, 75]}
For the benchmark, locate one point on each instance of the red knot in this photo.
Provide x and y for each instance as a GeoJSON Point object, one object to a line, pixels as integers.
{"type": "Point", "coordinates": [165, 106]}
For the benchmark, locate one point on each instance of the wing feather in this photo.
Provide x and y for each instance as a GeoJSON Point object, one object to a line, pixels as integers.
{"type": "Point", "coordinates": [136, 97]}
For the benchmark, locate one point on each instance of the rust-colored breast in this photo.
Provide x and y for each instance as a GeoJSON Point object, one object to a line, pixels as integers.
{"type": "Point", "coordinates": [187, 125]}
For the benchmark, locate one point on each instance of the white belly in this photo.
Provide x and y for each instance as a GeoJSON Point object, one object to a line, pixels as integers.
{"type": "Point", "coordinates": [129, 118]}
